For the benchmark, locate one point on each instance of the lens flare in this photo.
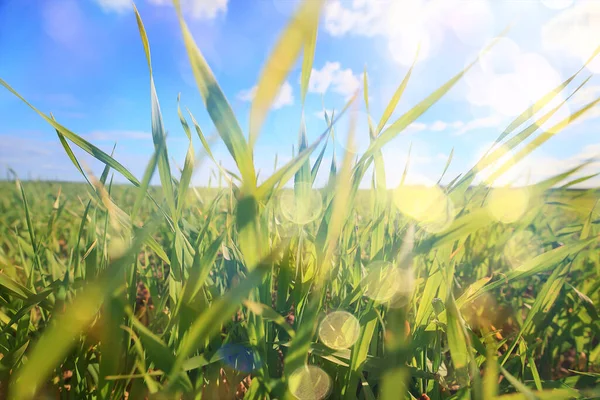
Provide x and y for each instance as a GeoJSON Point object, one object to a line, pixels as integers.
{"type": "Point", "coordinates": [495, 158]}
{"type": "Point", "coordinates": [301, 205]}
{"type": "Point", "coordinates": [472, 21]}
{"type": "Point", "coordinates": [407, 286]}
{"type": "Point", "coordinates": [507, 205]}
{"type": "Point", "coordinates": [384, 282]}
{"type": "Point", "coordinates": [339, 330]}
{"type": "Point", "coordinates": [116, 247]}
{"type": "Point", "coordinates": [309, 383]}
{"type": "Point", "coordinates": [501, 58]}
{"type": "Point", "coordinates": [360, 121]}
{"type": "Point", "coordinates": [428, 205]}
{"type": "Point", "coordinates": [521, 248]}
{"type": "Point", "coordinates": [239, 357]}
{"type": "Point", "coordinates": [381, 281]}
{"type": "Point", "coordinates": [508, 80]}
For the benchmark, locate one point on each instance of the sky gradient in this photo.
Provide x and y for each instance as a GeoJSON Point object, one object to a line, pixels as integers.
{"type": "Point", "coordinates": [83, 61]}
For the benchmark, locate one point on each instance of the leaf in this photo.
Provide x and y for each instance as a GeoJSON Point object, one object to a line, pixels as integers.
{"type": "Point", "coordinates": [209, 321]}
{"type": "Point", "coordinates": [300, 32]}
{"type": "Point", "coordinates": [188, 166]}
{"type": "Point", "coordinates": [70, 153]}
{"type": "Point", "coordinates": [541, 139]}
{"type": "Point", "coordinates": [208, 151]}
{"type": "Point", "coordinates": [544, 100]}
{"type": "Point", "coordinates": [446, 166]}
{"type": "Point", "coordinates": [268, 314]}
{"type": "Point", "coordinates": [425, 304]}
{"type": "Point", "coordinates": [158, 130]}
{"type": "Point", "coordinates": [218, 107]}
{"type": "Point", "coordinates": [586, 301]}
{"type": "Point", "coordinates": [360, 351]}
{"type": "Point", "coordinates": [457, 339]}
{"type": "Point", "coordinates": [315, 168]}
{"type": "Point", "coordinates": [78, 140]}
{"type": "Point", "coordinates": [528, 394]}
{"type": "Point", "coordinates": [159, 353]}
{"type": "Point", "coordinates": [12, 358]}
{"type": "Point", "coordinates": [397, 95]}
{"type": "Point", "coordinates": [60, 336]}
{"type": "Point", "coordinates": [143, 189]}
{"type": "Point", "coordinates": [285, 173]}
{"type": "Point", "coordinates": [410, 116]}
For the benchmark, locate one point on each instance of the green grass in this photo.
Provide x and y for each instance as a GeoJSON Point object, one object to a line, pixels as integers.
{"type": "Point", "coordinates": [172, 291]}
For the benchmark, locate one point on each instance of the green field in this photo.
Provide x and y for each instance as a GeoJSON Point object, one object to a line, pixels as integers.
{"type": "Point", "coordinates": [279, 290]}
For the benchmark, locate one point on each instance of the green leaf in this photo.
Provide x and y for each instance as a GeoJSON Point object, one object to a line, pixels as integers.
{"type": "Point", "coordinates": [209, 321]}
{"type": "Point", "coordinates": [78, 140]}
{"type": "Point", "coordinates": [59, 337]}
{"type": "Point", "coordinates": [397, 95]}
{"type": "Point", "coordinates": [360, 351]}
{"type": "Point", "coordinates": [457, 339]}
{"type": "Point", "coordinates": [218, 107]}
{"type": "Point", "coordinates": [158, 130]}
{"type": "Point", "coordinates": [300, 32]}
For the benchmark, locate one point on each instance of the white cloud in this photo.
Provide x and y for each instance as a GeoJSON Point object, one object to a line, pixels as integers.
{"type": "Point", "coordinates": [321, 116]}
{"type": "Point", "coordinates": [65, 23]}
{"type": "Point", "coordinates": [360, 18]}
{"type": "Point", "coordinates": [415, 127]}
{"type": "Point", "coordinates": [285, 97]}
{"type": "Point", "coordinates": [492, 121]}
{"type": "Point", "coordinates": [116, 135]}
{"type": "Point", "coordinates": [507, 80]}
{"type": "Point", "coordinates": [586, 95]}
{"type": "Point", "coordinates": [574, 32]}
{"type": "Point", "coordinates": [407, 23]}
{"type": "Point", "coordinates": [439, 126]}
{"type": "Point", "coordinates": [332, 76]}
{"type": "Point", "coordinates": [582, 98]}
{"type": "Point", "coordinates": [247, 94]}
{"type": "Point", "coordinates": [198, 9]}
{"type": "Point", "coordinates": [118, 6]}
{"type": "Point", "coordinates": [436, 126]}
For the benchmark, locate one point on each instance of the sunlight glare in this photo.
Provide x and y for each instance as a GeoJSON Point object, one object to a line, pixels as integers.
{"type": "Point", "coordinates": [301, 209]}
{"type": "Point", "coordinates": [309, 383]}
{"type": "Point", "coordinates": [508, 205]}
{"type": "Point", "coordinates": [522, 247]}
{"type": "Point", "coordinates": [428, 205]}
{"type": "Point", "coordinates": [339, 330]}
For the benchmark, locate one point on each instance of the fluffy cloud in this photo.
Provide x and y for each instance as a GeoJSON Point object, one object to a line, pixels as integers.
{"type": "Point", "coordinates": [285, 97]}
{"type": "Point", "coordinates": [118, 6]}
{"type": "Point", "coordinates": [407, 23]}
{"type": "Point", "coordinates": [65, 23]}
{"type": "Point", "coordinates": [574, 33]}
{"type": "Point", "coordinates": [507, 80]}
{"type": "Point", "coordinates": [332, 76]}
{"type": "Point", "coordinates": [116, 135]}
{"type": "Point", "coordinates": [198, 9]}
{"type": "Point", "coordinates": [321, 116]}
{"type": "Point", "coordinates": [492, 121]}
{"type": "Point", "coordinates": [439, 126]}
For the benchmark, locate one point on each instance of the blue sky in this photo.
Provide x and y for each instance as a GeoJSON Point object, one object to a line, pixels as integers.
{"type": "Point", "coordinates": [83, 61]}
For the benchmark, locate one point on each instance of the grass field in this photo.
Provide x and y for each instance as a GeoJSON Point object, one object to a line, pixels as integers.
{"type": "Point", "coordinates": [256, 291]}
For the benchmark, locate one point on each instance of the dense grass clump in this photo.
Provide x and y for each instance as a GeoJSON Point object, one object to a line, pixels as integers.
{"type": "Point", "coordinates": [258, 291]}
